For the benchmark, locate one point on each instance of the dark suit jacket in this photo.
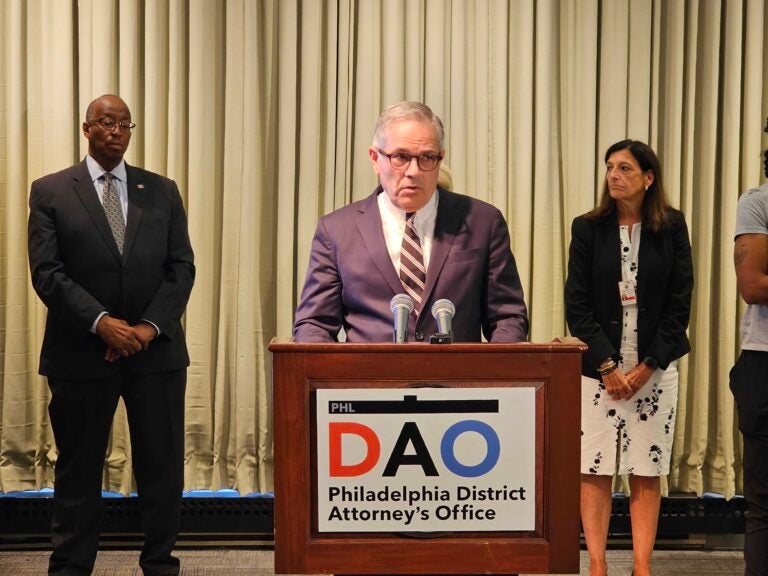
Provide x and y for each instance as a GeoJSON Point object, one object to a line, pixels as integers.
{"type": "Point", "coordinates": [664, 287]}
{"type": "Point", "coordinates": [78, 272]}
{"type": "Point", "coordinates": [351, 279]}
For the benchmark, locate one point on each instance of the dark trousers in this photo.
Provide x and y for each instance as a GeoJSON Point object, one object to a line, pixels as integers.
{"type": "Point", "coordinates": [81, 414]}
{"type": "Point", "coordinates": [749, 384]}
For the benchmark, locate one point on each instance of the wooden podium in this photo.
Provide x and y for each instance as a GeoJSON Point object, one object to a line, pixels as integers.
{"type": "Point", "coordinates": [551, 374]}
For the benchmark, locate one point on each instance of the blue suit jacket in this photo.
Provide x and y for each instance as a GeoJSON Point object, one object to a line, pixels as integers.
{"type": "Point", "coordinates": [351, 280]}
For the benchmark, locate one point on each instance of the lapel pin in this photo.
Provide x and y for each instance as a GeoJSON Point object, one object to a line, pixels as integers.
{"type": "Point", "coordinates": [140, 186]}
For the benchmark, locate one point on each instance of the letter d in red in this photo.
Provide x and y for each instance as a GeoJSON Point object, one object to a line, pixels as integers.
{"type": "Point", "coordinates": [335, 432]}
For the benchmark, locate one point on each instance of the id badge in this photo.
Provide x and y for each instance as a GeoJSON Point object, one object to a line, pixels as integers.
{"type": "Point", "coordinates": [627, 293]}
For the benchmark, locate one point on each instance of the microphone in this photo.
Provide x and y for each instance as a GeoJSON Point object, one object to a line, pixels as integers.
{"type": "Point", "coordinates": [401, 306]}
{"type": "Point", "coordinates": [443, 311]}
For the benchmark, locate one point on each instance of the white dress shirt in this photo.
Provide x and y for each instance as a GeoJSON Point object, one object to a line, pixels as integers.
{"type": "Point", "coordinates": [393, 226]}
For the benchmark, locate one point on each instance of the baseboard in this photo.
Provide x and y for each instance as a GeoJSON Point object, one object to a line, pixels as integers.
{"type": "Point", "coordinates": [230, 519]}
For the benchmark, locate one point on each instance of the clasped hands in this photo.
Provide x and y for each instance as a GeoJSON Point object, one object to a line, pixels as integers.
{"type": "Point", "coordinates": [621, 386]}
{"type": "Point", "coordinates": [122, 339]}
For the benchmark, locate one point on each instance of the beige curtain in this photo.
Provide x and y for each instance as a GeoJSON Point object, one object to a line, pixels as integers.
{"type": "Point", "coordinates": [262, 110]}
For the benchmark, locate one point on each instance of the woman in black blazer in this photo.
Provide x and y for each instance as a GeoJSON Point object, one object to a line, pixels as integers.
{"type": "Point", "coordinates": [628, 297]}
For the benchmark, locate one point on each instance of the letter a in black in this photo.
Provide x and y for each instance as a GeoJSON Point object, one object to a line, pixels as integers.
{"type": "Point", "coordinates": [410, 433]}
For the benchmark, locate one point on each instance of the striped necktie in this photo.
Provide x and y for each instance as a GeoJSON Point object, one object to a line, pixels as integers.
{"type": "Point", "coordinates": [413, 275]}
{"type": "Point", "coordinates": [114, 210]}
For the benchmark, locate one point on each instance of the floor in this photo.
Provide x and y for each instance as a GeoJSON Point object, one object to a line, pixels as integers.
{"type": "Point", "coordinates": [214, 562]}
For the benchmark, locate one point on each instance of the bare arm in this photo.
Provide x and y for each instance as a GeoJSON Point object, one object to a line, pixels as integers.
{"type": "Point", "coordinates": [750, 257]}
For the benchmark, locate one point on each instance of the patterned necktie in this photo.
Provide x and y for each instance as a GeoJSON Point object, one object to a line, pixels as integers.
{"type": "Point", "coordinates": [413, 275]}
{"type": "Point", "coordinates": [114, 210]}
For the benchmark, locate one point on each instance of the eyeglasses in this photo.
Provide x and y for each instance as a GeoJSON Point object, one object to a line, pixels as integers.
{"type": "Point", "coordinates": [400, 160]}
{"type": "Point", "coordinates": [110, 125]}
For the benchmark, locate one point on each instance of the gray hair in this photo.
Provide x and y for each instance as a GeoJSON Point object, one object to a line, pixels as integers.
{"type": "Point", "coordinates": [407, 111]}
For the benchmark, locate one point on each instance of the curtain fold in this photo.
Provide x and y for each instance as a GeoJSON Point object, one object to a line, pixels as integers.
{"type": "Point", "coordinates": [263, 111]}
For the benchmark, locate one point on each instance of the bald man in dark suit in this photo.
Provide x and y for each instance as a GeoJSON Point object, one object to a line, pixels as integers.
{"type": "Point", "coordinates": [462, 250]}
{"type": "Point", "coordinates": [110, 257]}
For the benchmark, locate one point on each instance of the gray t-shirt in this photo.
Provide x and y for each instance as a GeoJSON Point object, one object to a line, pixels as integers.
{"type": "Point", "coordinates": [752, 218]}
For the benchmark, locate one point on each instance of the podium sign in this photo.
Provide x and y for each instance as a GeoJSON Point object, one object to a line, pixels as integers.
{"type": "Point", "coordinates": [426, 459]}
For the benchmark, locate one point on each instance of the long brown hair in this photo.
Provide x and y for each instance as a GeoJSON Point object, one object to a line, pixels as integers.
{"type": "Point", "coordinates": [655, 204]}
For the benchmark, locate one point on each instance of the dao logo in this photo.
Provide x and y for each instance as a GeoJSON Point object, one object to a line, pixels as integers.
{"type": "Point", "coordinates": [410, 447]}
{"type": "Point", "coordinates": [458, 458]}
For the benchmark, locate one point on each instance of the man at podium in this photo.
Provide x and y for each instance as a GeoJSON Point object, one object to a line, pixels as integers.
{"type": "Point", "coordinates": [411, 241]}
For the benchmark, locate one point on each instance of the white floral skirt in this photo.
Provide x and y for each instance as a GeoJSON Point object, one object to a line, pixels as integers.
{"type": "Point", "coordinates": [631, 436]}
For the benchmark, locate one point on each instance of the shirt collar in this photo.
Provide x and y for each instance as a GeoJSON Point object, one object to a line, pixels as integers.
{"type": "Point", "coordinates": [96, 171]}
{"type": "Point", "coordinates": [429, 210]}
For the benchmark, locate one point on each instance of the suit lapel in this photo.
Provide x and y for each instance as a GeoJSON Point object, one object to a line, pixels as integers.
{"type": "Point", "coordinates": [83, 186]}
{"type": "Point", "coordinates": [646, 238]}
{"type": "Point", "coordinates": [608, 246]}
{"type": "Point", "coordinates": [135, 210]}
{"type": "Point", "coordinates": [612, 244]}
{"type": "Point", "coordinates": [369, 226]}
{"type": "Point", "coordinates": [446, 225]}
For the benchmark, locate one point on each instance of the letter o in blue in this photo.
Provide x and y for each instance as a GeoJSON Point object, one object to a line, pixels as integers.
{"type": "Point", "coordinates": [449, 440]}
